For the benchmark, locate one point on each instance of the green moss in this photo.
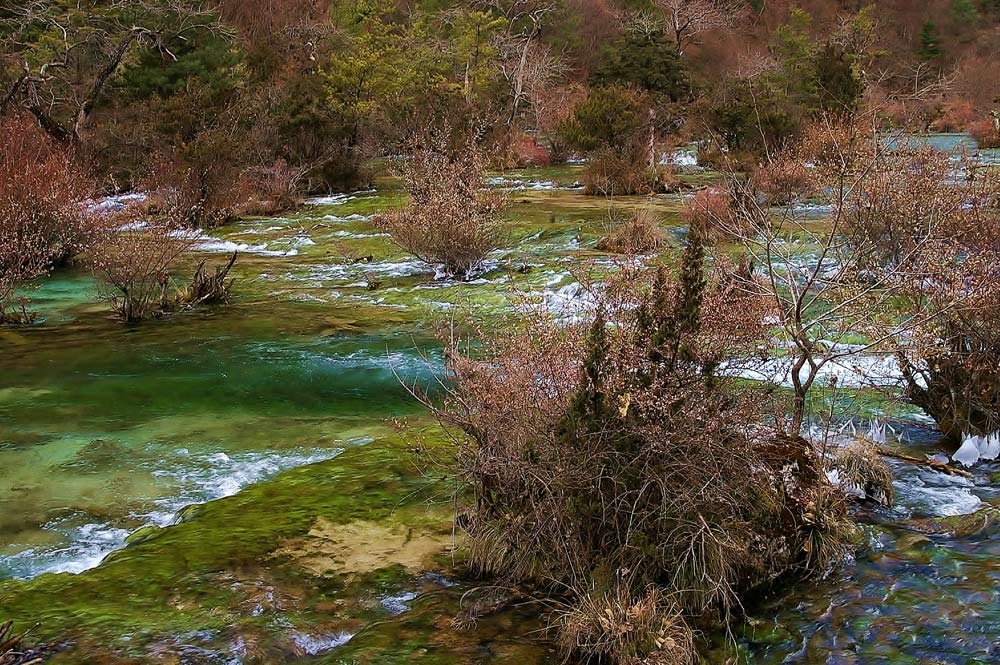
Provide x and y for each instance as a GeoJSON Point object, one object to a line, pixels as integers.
{"type": "Point", "coordinates": [206, 573]}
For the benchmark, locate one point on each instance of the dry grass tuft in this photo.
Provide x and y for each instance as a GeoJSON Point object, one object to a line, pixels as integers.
{"type": "Point", "coordinates": [619, 626]}
{"type": "Point", "coordinates": [827, 532]}
{"type": "Point", "coordinates": [637, 234]}
{"type": "Point", "coordinates": [860, 465]}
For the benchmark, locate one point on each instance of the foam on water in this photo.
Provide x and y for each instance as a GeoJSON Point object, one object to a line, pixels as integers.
{"type": "Point", "coordinates": [396, 605]}
{"type": "Point", "coordinates": [356, 217]}
{"type": "Point", "coordinates": [851, 371]}
{"type": "Point", "coordinates": [406, 268]}
{"type": "Point", "coordinates": [336, 199]}
{"type": "Point", "coordinates": [929, 493]}
{"type": "Point", "coordinates": [217, 475]}
{"type": "Point", "coordinates": [313, 645]}
{"type": "Point", "coordinates": [519, 184]}
{"type": "Point", "coordinates": [87, 546]}
{"type": "Point", "coordinates": [332, 200]}
{"type": "Point", "coordinates": [210, 244]}
{"type": "Point", "coordinates": [114, 203]}
{"type": "Point", "coordinates": [683, 158]}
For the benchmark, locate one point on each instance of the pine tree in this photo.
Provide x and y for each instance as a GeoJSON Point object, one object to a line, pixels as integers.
{"type": "Point", "coordinates": [930, 42]}
{"type": "Point", "coordinates": [964, 13]}
{"type": "Point", "coordinates": [587, 410]}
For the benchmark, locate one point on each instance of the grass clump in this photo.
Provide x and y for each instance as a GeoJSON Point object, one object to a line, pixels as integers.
{"type": "Point", "coordinates": [617, 624]}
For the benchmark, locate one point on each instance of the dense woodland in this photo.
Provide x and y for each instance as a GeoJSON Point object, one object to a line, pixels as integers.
{"type": "Point", "coordinates": [223, 99]}
{"type": "Point", "coordinates": [634, 467]}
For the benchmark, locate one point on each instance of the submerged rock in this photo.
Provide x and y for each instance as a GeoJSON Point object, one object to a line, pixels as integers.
{"type": "Point", "coordinates": [362, 547]}
{"type": "Point", "coordinates": [956, 526]}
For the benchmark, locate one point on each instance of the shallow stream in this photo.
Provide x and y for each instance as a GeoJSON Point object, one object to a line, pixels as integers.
{"type": "Point", "coordinates": [272, 510]}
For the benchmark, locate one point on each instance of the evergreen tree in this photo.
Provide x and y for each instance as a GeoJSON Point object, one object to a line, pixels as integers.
{"type": "Point", "coordinates": [609, 116]}
{"type": "Point", "coordinates": [837, 87]}
{"type": "Point", "coordinates": [930, 42]}
{"type": "Point", "coordinates": [964, 13]}
{"type": "Point", "coordinates": [587, 411]}
{"type": "Point", "coordinates": [649, 62]}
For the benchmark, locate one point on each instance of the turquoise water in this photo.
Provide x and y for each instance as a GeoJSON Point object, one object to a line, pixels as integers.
{"type": "Point", "coordinates": [276, 411]}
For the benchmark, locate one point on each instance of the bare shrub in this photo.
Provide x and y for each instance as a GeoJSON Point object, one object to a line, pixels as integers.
{"type": "Point", "coordinates": [951, 363]}
{"type": "Point", "coordinates": [861, 466]}
{"type": "Point", "coordinates": [709, 212]}
{"type": "Point", "coordinates": [906, 260]}
{"type": "Point", "coordinates": [638, 233]}
{"type": "Point", "coordinates": [23, 256]}
{"type": "Point", "coordinates": [451, 220]}
{"type": "Point", "coordinates": [933, 239]}
{"type": "Point", "coordinates": [273, 188]}
{"type": "Point", "coordinates": [955, 116]}
{"type": "Point", "coordinates": [783, 181]}
{"type": "Point", "coordinates": [43, 221]}
{"type": "Point", "coordinates": [614, 171]}
{"type": "Point", "coordinates": [135, 264]}
{"type": "Point", "coordinates": [608, 455]}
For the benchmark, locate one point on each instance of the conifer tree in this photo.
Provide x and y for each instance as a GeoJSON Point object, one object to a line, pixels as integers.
{"type": "Point", "coordinates": [930, 42]}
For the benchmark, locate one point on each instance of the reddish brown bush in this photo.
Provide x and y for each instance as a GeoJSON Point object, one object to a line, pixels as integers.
{"type": "Point", "coordinates": [935, 239]}
{"type": "Point", "coordinates": [985, 133]}
{"type": "Point", "coordinates": [528, 151]}
{"type": "Point", "coordinates": [956, 116]}
{"type": "Point", "coordinates": [708, 212]}
{"type": "Point", "coordinates": [783, 180]}
{"type": "Point", "coordinates": [451, 220]}
{"type": "Point", "coordinates": [272, 189]}
{"type": "Point", "coordinates": [637, 233]}
{"type": "Point", "coordinates": [43, 219]}
{"type": "Point", "coordinates": [614, 171]}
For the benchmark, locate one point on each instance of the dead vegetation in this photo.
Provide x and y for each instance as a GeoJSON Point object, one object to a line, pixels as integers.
{"type": "Point", "coordinates": [617, 624]}
{"type": "Point", "coordinates": [138, 261]}
{"type": "Point", "coordinates": [43, 222]}
{"type": "Point", "coordinates": [451, 220]}
{"type": "Point", "coordinates": [636, 233]}
{"type": "Point", "coordinates": [616, 171]}
{"type": "Point", "coordinates": [12, 652]}
{"type": "Point", "coordinates": [613, 469]}
{"type": "Point", "coordinates": [860, 465]}
{"type": "Point", "coordinates": [206, 287]}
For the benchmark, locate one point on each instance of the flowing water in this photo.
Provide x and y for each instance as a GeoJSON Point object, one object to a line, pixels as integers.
{"type": "Point", "coordinates": [228, 486]}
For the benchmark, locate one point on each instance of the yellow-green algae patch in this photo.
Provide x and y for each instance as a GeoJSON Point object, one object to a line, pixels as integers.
{"type": "Point", "coordinates": [364, 546]}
